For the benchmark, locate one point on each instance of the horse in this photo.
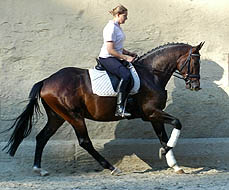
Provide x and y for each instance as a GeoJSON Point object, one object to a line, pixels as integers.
{"type": "Point", "coordinates": [67, 96]}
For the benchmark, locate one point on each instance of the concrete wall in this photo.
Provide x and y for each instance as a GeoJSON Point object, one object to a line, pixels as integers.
{"type": "Point", "coordinates": [37, 38]}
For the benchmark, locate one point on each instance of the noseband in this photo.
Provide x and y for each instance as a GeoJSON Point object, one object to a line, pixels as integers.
{"type": "Point", "coordinates": [187, 62]}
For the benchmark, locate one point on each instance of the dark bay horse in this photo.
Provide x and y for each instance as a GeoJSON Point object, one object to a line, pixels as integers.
{"type": "Point", "coordinates": [67, 96]}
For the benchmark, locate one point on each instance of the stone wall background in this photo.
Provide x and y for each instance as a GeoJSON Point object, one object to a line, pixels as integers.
{"type": "Point", "coordinates": [37, 38]}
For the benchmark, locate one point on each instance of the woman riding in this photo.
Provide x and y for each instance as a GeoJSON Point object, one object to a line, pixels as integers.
{"type": "Point", "coordinates": [114, 57]}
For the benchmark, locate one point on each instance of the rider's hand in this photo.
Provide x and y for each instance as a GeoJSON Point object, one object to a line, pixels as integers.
{"type": "Point", "coordinates": [129, 58]}
{"type": "Point", "coordinates": [133, 55]}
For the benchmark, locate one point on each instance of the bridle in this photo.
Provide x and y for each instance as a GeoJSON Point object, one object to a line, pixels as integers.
{"type": "Point", "coordinates": [187, 78]}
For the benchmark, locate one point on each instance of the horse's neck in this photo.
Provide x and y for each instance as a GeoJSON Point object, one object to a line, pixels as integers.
{"type": "Point", "coordinates": [160, 63]}
{"type": "Point", "coordinates": [160, 70]}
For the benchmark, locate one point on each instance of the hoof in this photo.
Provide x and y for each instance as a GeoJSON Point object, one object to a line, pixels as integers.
{"type": "Point", "coordinates": [180, 171]}
{"type": "Point", "coordinates": [161, 152]}
{"type": "Point", "coordinates": [116, 172]}
{"type": "Point", "coordinates": [40, 171]}
{"type": "Point", "coordinates": [44, 173]}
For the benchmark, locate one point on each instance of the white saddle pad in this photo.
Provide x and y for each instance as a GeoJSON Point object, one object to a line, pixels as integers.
{"type": "Point", "coordinates": [101, 84]}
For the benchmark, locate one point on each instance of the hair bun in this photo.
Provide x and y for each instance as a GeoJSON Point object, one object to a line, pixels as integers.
{"type": "Point", "coordinates": [120, 9]}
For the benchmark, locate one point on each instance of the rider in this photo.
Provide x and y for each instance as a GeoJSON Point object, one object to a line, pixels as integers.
{"type": "Point", "coordinates": [113, 56]}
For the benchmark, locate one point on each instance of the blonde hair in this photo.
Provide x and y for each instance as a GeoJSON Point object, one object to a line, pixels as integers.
{"type": "Point", "coordinates": [120, 9]}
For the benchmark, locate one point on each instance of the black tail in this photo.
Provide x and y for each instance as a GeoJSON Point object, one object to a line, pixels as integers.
{"type": "Point", "coordinates": [23, 123]}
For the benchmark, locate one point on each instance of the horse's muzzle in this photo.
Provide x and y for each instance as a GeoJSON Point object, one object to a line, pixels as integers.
{"type": "Point", "coordinates": [193, 85]}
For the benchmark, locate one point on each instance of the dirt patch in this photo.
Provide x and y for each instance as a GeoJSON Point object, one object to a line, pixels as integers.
{"type": "Point", "coordinates": [71, 175]}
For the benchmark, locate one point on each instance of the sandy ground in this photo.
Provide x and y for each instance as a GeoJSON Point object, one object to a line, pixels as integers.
{"type": "Point", "coordinates": [68, 175]}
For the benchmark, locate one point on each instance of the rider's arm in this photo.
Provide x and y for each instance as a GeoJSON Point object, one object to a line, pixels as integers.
{"type": "Point", "coordinates": [113, 52]}
{"type": "Point", "coordinates": [125, 52]}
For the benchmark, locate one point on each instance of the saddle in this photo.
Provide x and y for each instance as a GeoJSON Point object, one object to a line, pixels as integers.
{"type": "Point", "coordinates": [114, 79]}
{"type": "Point", "coordinates": [105, 84]}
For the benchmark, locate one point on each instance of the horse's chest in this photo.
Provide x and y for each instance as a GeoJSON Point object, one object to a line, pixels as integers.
{"type": "Point", "coordinates": [156, 98]}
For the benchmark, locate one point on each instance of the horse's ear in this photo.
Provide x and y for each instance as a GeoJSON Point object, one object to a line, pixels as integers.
{"type": "Point", "coordinates": [200, 46]}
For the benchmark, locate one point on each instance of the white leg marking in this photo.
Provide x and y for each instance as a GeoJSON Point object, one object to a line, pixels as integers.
{"type": "Point", "coordinates": [177, 168]}
{"type": "Point", "coordinates": [174, 137]}
{"type": "Point", "coordinates": [40, 171]}
{"type": "Point", "coordinates": [116, 171]}
{"type": "Point", "coordinates": [161, 152]}
{"type": "Point", "coordinates": [171, 161]}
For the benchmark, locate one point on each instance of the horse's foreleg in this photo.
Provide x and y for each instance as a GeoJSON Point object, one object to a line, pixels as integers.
{"type": "Point", "coordinates": [159, 128]}
{"type": "Point", "coordinates": [158, 118]}
{"type": "Point", "coordinates": [85, 142]}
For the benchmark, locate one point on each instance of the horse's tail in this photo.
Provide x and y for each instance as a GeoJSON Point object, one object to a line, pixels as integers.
{"type": "Point", "coordinates": [23, 123]}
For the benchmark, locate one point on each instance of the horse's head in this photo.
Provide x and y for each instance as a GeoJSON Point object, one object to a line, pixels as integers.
{"type": "Point", "coordinates": [189, 67]}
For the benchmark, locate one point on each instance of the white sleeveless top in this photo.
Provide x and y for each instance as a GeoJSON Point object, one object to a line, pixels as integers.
{"type": "Point", "coordinates": [112, 32]}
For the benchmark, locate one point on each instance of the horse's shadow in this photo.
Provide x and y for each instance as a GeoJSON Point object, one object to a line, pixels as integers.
{"type": "Point", "coordinates": [203, 113]}
{"type": "Point", "coordinates": [193, 109]}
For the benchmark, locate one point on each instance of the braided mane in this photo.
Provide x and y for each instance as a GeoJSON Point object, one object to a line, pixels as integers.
{"type": "Point", "coordinates": [144, 56]}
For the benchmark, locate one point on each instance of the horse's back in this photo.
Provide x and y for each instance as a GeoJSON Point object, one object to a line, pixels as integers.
{"type": "Point", "coordinates": [65, 81]}
{"type": "Point", "coordinates": [69, 72]}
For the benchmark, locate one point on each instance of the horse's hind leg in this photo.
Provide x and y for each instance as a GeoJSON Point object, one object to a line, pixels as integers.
{"type": "Point", "coordinates": [159, 129]}
{"type": "Point", "coordinates": [53, 124]}
{"type": "Point", "coordinates": [85, 142]}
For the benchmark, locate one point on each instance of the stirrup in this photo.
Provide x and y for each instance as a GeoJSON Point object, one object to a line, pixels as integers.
{"type": "Point", "coordinates": [121, 112]}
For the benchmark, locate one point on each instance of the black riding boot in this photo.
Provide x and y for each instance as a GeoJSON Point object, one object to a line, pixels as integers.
{"type": "Point", "coordinates": [121, 99]}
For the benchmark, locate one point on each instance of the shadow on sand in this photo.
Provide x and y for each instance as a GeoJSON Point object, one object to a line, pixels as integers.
{"type": "Point", "coordinates": [202, 114]}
